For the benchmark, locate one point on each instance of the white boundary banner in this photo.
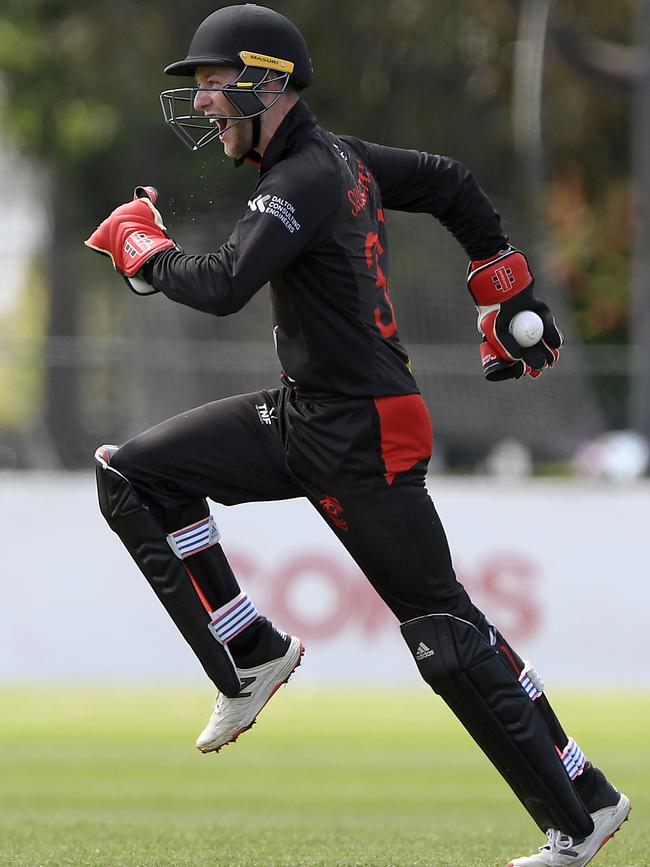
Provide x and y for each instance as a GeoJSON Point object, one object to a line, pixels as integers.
{"type": "Point", "coordinates": [561, 568]}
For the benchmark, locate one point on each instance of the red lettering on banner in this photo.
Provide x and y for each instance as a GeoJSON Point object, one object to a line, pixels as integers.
{"type": "Point", "coordinates": [503, 586]}
{"type": "Point", "coordinates": [318, 624]}
{"type": "Point", "coordinates": [243, 566]}
{"type": "Point", "coordinates": [372, 616]}
{"type": "Point", "coordinates": [509, 582]}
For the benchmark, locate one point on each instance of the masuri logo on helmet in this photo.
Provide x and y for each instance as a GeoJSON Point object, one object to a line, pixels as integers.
{"type": "Point", "coordinates": [255, 39]}
{"type": "Point", "coordinates": [266, 62]}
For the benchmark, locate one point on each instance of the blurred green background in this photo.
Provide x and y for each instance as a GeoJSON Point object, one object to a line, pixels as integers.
{"type": "Point", "coordinates": [335, 778]}
{"type": "Point", "coordinates": [547, 102]}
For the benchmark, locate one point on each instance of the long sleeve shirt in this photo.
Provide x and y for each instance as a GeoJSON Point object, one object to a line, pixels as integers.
{"type": "Point", "coordinates": [314, 230]}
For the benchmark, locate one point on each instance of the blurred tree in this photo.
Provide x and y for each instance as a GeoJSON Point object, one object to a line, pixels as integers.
{"type": "Point", "coordinates": [606, 244]}
{"type": "Point", "coordinates": [640, 369]}
{"type": "Point", "coordinates": [79, 97]}
{"type": "Point", "coordinates": [588, 129]}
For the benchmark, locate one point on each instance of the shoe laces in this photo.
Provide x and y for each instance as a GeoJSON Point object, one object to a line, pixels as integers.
{"type": "Point", "coordinates": [557, 842]}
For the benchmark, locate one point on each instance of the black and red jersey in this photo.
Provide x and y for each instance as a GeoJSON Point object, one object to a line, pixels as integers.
{"type": "Point", "coordinates": [314, 230]}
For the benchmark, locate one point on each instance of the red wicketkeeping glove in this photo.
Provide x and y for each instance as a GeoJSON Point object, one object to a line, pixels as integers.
{"type": "Point", "coordinates": [131, 235]}
{"type": "Point", "coordinates": [501, 287]}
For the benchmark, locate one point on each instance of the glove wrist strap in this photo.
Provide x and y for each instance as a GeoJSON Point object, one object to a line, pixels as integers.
{"type": "Point", "coordinates": [499, 279]}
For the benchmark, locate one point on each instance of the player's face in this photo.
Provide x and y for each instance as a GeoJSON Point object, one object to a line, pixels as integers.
{"type": "Point", "coordinates": [236, 140]}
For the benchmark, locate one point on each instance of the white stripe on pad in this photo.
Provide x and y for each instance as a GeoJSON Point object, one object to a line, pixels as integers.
{"type": "Point", "coordinates": [196, 537]}
{"type": "Point", "coordinates": [232, 618]}
{"type": "Point", "coordinates": [573, 759]}
{"type": "Point", "coordinates": [531, 681]}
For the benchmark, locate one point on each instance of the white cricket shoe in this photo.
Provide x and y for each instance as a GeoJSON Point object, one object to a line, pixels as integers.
{"type": "Point", "coordinates": [232, 716]}
{"type": "Point", "coordinates": [562, 850]}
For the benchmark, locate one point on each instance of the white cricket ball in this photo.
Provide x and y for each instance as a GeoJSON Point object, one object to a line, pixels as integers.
{"type": "Point", "coordinates": [527, 328]}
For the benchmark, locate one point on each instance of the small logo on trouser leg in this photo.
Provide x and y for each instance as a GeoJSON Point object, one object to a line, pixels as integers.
{"type": "Point", "coordinates": [334, 511]}
{"type": "Point", "coordinates": [266, 415]}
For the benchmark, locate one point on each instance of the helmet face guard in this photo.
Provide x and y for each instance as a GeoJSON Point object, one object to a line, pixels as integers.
{"type": "Point", "coordinates": [196, 130]}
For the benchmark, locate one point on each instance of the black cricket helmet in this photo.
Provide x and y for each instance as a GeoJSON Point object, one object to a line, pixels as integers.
{"type": "Point", "coordinates": [266, 47]}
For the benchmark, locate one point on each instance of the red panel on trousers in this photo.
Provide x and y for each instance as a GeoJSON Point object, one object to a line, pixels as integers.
{"type": "Point", "coordinates": [406, 433]}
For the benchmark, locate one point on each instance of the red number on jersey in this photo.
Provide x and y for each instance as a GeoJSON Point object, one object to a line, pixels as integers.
{"type": "Point", "coordinates": [374, 250]}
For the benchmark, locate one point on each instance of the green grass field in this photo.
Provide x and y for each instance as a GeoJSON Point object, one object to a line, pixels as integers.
{"type": "Point", "coordinates": [111, 777]}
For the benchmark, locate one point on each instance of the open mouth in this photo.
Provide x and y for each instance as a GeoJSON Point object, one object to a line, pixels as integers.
{"type": "Point", "coordinates": [221, 123]}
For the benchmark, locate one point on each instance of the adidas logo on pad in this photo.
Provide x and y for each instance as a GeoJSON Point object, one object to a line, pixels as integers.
{"type": "Point", "coordinates": [423, 652]}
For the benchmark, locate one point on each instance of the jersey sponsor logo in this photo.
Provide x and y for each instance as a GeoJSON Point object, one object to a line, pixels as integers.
{"type": "Point", "coordinates": [359, 194]}
{"type": "Point", "coordinates": [258, 203]}
{"type": "Point", "coordinates": [266, 415]}
{"type": "Point", "coordinates": [334, 511]}
{"type": "Point", "coordinates": [276, 207]}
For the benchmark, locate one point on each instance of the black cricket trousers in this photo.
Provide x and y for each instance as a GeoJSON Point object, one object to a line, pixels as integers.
{"type": "Point", "coordinates": [361, 462]}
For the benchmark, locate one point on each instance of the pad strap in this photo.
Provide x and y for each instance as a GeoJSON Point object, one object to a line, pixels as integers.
{"type": "Point", "coordinates": [492, 281]}
{"type": "Point", "coordinates": [194, 538]}
{"type": "Point", "coordinates": [573, 759]}
{"type": "Point", "coordinates": [531, 681]}
{"type": "Point", "coordinates": [232, 618]}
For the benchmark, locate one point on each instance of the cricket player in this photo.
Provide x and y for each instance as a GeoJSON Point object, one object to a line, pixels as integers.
{"type": "Point", "coordinates": [346, 428]}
